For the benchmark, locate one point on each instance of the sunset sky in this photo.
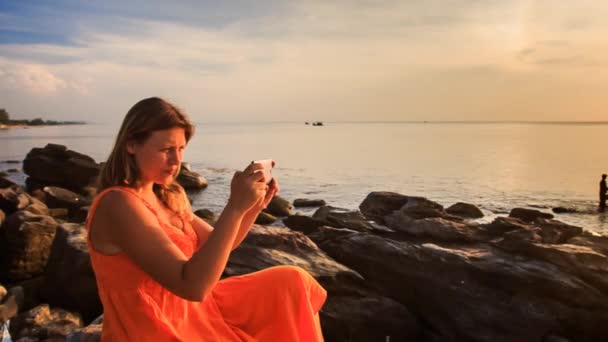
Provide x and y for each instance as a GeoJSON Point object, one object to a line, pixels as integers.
{"type": "Point", "coordinates": [259, 61]}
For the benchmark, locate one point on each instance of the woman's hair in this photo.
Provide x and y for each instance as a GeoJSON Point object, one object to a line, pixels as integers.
{"type": "Point", "coordinates": [146, 116]}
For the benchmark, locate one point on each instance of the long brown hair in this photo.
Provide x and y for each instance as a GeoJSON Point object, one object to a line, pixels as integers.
{"type": "Point", "coordinates": [146, 116]}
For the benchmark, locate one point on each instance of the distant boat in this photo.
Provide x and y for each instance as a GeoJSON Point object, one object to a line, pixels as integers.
{"type": "Point", "coordinates": [317, 123]}
{"type": "Point", "coordinates": [308, 123]}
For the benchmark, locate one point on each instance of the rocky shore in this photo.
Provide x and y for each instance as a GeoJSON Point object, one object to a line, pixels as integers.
{"type": "Point", "coordinates": [400, 268]}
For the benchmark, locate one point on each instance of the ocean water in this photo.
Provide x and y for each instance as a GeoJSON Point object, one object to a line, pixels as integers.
{"type": "Point", "coordinates": [497, 166]}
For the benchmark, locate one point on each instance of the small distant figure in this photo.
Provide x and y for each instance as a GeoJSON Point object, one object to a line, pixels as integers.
{"type": "Point", "coordinates": [603, 190]}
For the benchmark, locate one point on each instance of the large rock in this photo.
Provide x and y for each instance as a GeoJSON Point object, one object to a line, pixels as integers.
{"type": "Point", "coordinates": [529, 215]}
{"type": "Point", "coordinates": [472, 292]}
{"type": "Point", "coordinates": [304, 224]}
{"type": "Point", "coordinates": [597, 243]}
{"type": "Point", "coordinates": [57, 197]}
{"type": "Point", "coordinates": [191, 180]}
{"type": "Point", "coordinates": [436, 229]}
{"type": "Point", "coordinates": [381, 203]}
{"type": "Point", "coordinates": [13, 199]}
{"type": "Point", "coordinates": [554, 231]}
{"type": "Point", "coordinates": [70, 281]}
{"type": "Point", "coordinates": [43, 323]}
{"type": "Point", "coordinates": [56, 165]}
{"type": "Point", "coordinates": [25, 242]}
{"type": "Point", "coordinates": [207, 215]}
{"type": "Point", "coordinates": [6, 183]}
{"type": "Point", "coordinates": [341, 218]}
{"type": "Point", "coordinates": [465, 210]}
{"type": "Point", "coordinates": [279, 207]}
{"type": "Point", "coordinates": [265, 218]}
{"type": "Point", "coordinates": [303, 202]}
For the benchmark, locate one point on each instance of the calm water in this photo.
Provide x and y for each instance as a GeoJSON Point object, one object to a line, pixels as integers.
{"type": "Point", "coordinates": [497, 166]}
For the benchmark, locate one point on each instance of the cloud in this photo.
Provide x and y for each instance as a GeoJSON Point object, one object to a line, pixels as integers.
{"type": "Point", "coordinates": [31, 78]}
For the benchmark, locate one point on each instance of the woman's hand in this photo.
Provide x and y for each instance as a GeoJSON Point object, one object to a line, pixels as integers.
{"type": "Point", "coordinates": [247, 188]}
{"type": "Point", "coordinates": [271, 190]}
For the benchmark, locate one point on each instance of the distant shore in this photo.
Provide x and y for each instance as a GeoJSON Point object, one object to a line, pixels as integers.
{"type": "Point", "coordinates": [34, 123]}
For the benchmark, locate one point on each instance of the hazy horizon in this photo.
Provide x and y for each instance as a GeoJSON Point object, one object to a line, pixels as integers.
{"type": "Point", "coordinates": [272, 61]}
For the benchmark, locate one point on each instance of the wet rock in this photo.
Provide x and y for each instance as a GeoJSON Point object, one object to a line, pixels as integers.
{"type": "Point", "coordinates": [69, 277]}
{"type": "Point", "coordinates": [596, 242]}
{"type": "Point", "coordinates": [304, 224]}
{"type": "Point", "coordinates": [207, 215]}
{"type": "Point", "coordinates": [341, 218]}
{"type": "Point", "coordinates": [465, 210]}
{"type": "Point", "coordinates": [432, 228]}
{"type": "Point", "coordinates": [26, 245]}
{"type": "Point", "coordinates": [554, 231]}
{"type": "Point", "coordinates": [191, 180]}
{"type": "Point", "coordinates": [279, 207]}
{"type": "Point", "coordinates": [265, 218]}
{"type": "Point", "coordinates": [302, 202]}
{"type": "Point", "coordinates": [55, 165]}
{"type": "Point", "coordinates": [564, 210]}
{"type": "Point", "coordinates": [381, 203]}
{"type": "Point", "coordinates": [56, 197]}
{"type": "Point", "coordinates": [44, 323]}
{"type": "Point", "coordinates": [502, 225]}
{"type": "Point", "coordinates": [529, 215]}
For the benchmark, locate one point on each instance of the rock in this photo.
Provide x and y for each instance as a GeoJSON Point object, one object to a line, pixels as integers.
{"type": "Point", "coordinates": [279, 207]}
{"type": "Point", "coordinates": [70, 281]}
{"type": "Point", "coordinates": [597, 243]}
{"type": "Point", "coordinates": [432, 228]}
{"type": "Point", "coordinates": [57, 197]}
{"type": "Point", "coordinates": [372, 318]}
{"type": "Point", "coordinates": [2, 217]}
{"type": "Point", "coordinates": [191, 180]}
{"type": "Point", "coordinates": [12, 304]}
{"type": "Point", "coordinates": [453, 287]}
{"type": "Point", "coordinates": [502, 225]}
{"type": "Point", "coordinates": [12, 170]}
{"type": "Point", "coordinates": [564, 210]}
{"type": "Point", "coordinates": [381, 203]}
{"type": "Point", "coordinates": [304, 224]}
{"type": "Point", "coordinates": [44, 323]}
{"type": "Point", "coordinates": [554, 231]}
{"type": "Point", "coordinates": [56, 165]}
{"type": "Point", "coordinates": [302, 202]}
{"type": "Point", "coordinates": [6, 183]}
{"type": "Point", "coordinates": [341, 218]}
{"type": "Point", "coordinates": [90, 333]}
{"type": "Point", "coordinates": [324, 235]}
{"type": "Point", "coordinates": [529, 215]}
{"type": "Point", "coordinates": [12, 199]}
{"type": "Point", "coordinates": [206, 215]}
{"type": "Point", "coordinates": [420, 208]}
{"type": "Point", "coordinates": [25, 245]}
{"type": "Point", "coordinates": [265, 218]}
{"type": "Point", "coordinates": [465, 210]}
{"type": "Point", "coordinates": [78, 215]}
{"type": "Point", "coordinates": [271, 246]}
{"type": "Point", "coordinates": [3, 174]}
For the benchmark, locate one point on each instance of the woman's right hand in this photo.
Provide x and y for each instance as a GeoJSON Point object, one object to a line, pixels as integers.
{"type": "Point", "coordinates": [247, 188]}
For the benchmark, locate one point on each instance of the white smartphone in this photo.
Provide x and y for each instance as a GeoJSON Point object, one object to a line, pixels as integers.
{"type": "Point", "coordinates": [268, 164]}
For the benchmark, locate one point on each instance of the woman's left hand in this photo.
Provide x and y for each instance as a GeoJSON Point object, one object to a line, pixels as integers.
{"type": "Point", "coordinates": [272, 189]}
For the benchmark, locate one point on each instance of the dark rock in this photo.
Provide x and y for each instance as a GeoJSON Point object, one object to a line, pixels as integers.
{"type": "Point", "coordinates": [206, 215]}
{"type": "Point", "coordinates": [341, 218]}
{"type": "Point", "coordinates": [11, 304]}
{"type": "Point", "coordinates": [78, 215]}
{"type": "Point", "coordinates": [437, 228]}
{"type": "Point", "coordinates": [44, 323]}
{"type": "Point", "coordinates": [564, 210]}
{"type": "Point", "coordinates": [272, 246]}
{"type": "Point", "coordinates": [70, 281]}
{"type": "Point", "coordinates": [554, 231]}
{"type": "Point", "coordinates": [381, 203]}
{"type": "Point", "coordinates": [304, 224]}
{"type": "Point", "coordinates": [12, 170]}
{"type": "Point", "coordinates": [597, 243]}
{"type": "Point", "coordinates": [265, 218]}
{"type": "Point", "coordinates": [6, 183]}
{"type": "Point", "coordinates": [529, 215]}
{"type": "Point", "coordinates": [372, 318]}
{"type": "Point", "coordinates": [453, 288]}
{"type": "Point", "coordinates": [279, 207]}
{"type": "Point", "coordinates": [302, 202]}
{"type": "Point", "coordinates": [90, 333]}
{"type": "Point", "coordinates": [13, 199]}
{"type": "Point", "coordinates": [502, 225]}
{"type": "Point", "coordinates": [25, 245]}
{"type": "Point", "coordinates": [191, 180]}
{"type": "Point", "coordinates": [421, 208]}
{"type": "Point", "coordinates": [62, 198]}
{"type": "Point", "coordinates": [55, 165]}
{"type": "Point", "coordinates": [465, 210]}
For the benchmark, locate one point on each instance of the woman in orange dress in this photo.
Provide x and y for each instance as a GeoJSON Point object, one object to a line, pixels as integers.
{"type": "Point", "coordinates": [158, 266]}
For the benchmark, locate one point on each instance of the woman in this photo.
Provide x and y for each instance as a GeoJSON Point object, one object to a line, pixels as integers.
{"type": "Point", "coordinates": [158, 266]}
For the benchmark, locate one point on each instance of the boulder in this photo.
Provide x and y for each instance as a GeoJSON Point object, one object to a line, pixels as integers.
{"type": "Point", "coordinates": [191, 180]}
{"type": "Point", "coordinates": [279, 207]}
{"type": "Point", "coordinates": [69, 277]}
{"type": "Point", "coordinates": [554, 231]}
{"type": "Point", "coordinates": [302, 202]}
{"type": "Point", "coordinates": [90, 333]}
{"type": "Point", "coordinates": [44, 323]}
{"type": "Point", "coordinates": [502, 225]}
{"type": "Point", "coordinates": [25, 245]}
{"type": "Point", "coordinates": [11, 304]}
{"type": "Point", "coordinates": [206, 215]}
{"type": "Point", "coordinates": [341, 218]}
{"type": "Point", "coordinates": [265, 218]}
{"type": "Point", "coordinates": [56, 165]}
{"type": "Point", "coordinates": [564, 210]}
{"type": "Point", "coordinates": [465, 210]}
{"type": "Point", "coordinates": [381, 203]}
{"type": "Point", "coordinates": [6, 183]}
{"type": "Point", "coordinates": [13, 199]}
{"type": "Point", "coordinates": [529, 215]}
{"type": "Point", "coordinates": [304, 224]}
{"type": "Point", "coordinates": [436, 229]}
{"type": "Point", "coordinates": [472, 292]}
{"type": "Point", "coordinates": [596, 242]}
{"type": "Point", "coordinates": [57, 197]}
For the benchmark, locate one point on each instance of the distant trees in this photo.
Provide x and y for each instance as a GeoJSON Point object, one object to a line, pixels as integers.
{"type": "Point", "coordinates": [4, 117]}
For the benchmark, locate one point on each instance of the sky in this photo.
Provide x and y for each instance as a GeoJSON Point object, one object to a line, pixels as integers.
{"type": "Point", "coordinates": [264, 61]}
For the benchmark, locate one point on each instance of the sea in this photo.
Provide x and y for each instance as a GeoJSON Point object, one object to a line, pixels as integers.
{"type": "Point", "coordinates": [497, 166]}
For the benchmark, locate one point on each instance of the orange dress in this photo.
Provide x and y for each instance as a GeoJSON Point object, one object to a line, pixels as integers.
{"type": "Point", "coordinates": [280, 303]}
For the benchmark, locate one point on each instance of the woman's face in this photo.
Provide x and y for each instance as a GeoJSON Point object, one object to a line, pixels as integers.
{"type": "Point", "coordinates": [159, 157]}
